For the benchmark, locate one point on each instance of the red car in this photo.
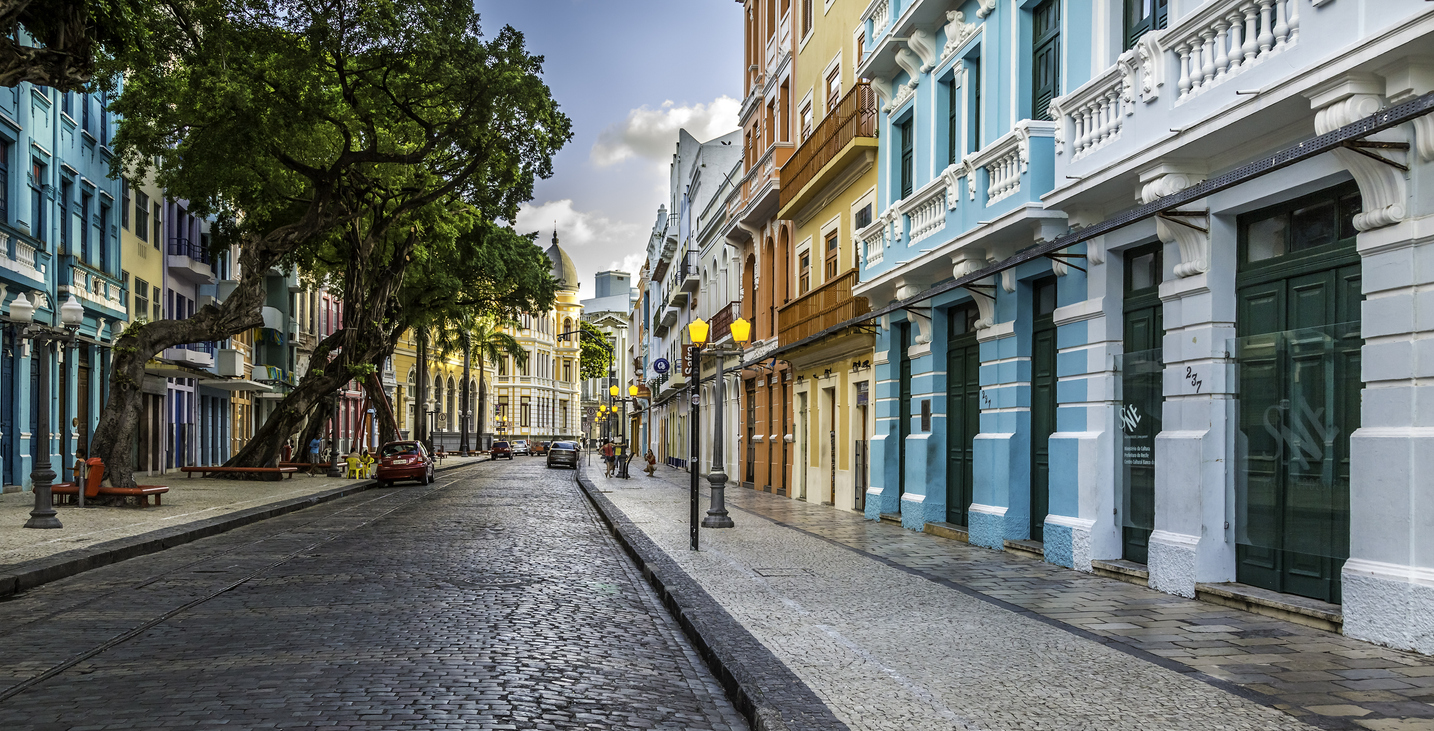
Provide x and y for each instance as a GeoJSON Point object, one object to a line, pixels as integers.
{"type": "Point", "coordinates": [500, 449]}
{"type": "Point", "coordinates": [404, 461]}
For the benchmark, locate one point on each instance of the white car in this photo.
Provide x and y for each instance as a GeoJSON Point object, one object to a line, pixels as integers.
{"type": "Point", "coordinates": [520, 446]}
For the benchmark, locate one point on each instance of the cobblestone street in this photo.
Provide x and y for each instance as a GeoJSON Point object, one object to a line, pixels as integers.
{"type": "Point", "coordinates": [492, 599]}
{"type": "Point", "coordinates": [902, 630]}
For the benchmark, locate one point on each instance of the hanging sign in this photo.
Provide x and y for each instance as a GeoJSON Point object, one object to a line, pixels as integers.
{"type": "Point", "coordinates": [661, 365]}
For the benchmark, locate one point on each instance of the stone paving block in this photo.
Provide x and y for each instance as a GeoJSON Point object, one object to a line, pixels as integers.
{"type": "Point", "coordinates": [492, 601]}
{"type": "Point", "coordinates": [1263, 649]}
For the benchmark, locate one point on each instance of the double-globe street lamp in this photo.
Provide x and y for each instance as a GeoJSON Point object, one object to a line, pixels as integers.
{"type": "Point", "coordinates": [622, 425]}
{"type": "Point", "coordinates": [22, 313]}
{"type": "Point", "coordinates": [717, 516]}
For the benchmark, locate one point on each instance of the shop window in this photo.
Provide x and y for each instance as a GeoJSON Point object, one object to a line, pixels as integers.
{"type": "Point", "coordinates": [1308, 225]}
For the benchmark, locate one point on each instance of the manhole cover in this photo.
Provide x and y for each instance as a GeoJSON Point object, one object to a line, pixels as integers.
{"type": "Point", "coordinates": [783, 572]}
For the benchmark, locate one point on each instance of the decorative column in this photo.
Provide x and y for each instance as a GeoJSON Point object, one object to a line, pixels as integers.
{"type": "Point", "coordinates": [1083, 523]}
{"type": "Point", "coordinates": [1388, 580]}
{"type": "Point", "coordinates": [1193, 540]}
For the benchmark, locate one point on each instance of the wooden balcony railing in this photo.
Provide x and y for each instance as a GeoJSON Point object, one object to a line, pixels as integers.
{"type": "Point", "coordinates": [855, 116]}
{"type": "Point", "coordinates": [722, 321]}
{"type": "Point", "coordinates": [820, 309]}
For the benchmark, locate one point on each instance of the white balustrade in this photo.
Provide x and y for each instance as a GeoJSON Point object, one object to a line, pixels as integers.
{"type": "Point", "coordinates": [1224, 38]}
{"type": "Point", "coordinates": [25, 254]}
{"type": "Point", "coordinates": [926, 211]}
{"type": "Point", "coordinates": [1094, 114]}
{"type": "Point", "coordinates": [873, 242]}
{"type": "Point", "coordinates": [879, 13]}
{"type": "Point", "coordinates": [1003, 176]}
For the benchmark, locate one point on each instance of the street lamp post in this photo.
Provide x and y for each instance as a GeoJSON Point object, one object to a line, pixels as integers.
{"type": "Point", "coordinates": [623, 436]}
{"type": "Point", "coordinates": [717, 516]}
{"type": "Point", "coordinates": [22, 312]}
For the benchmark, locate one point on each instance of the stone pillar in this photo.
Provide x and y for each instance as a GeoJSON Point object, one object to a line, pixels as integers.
{"type": "Point", "coordinates": [1001, 504]}
{"type": "Point", "coordinates": [882, 493]}
{"type": "Point", "coordinates": [1388, 581]}
{"type": "Point", "coordinates": [1193, 540]}
{"type": "Point", "coordinates": [1083, 524]}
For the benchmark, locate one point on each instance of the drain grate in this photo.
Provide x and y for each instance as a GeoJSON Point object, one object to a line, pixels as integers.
{"type": "Point", "coordinates": [783, 572]}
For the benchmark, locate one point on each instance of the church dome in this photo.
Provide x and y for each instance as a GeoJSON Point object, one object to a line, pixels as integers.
{"type": "Point", "coordinates": [563, 268]}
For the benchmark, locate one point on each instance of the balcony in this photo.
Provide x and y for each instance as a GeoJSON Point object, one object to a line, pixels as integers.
{"type": "Point", "coordinates": [199, 355]}
{"type": "Point", "coordinates": [95, 289]}
{"type": "Point", "coordinates": [24, 256]}
{"type": "Point", "coordinates": [1140, 109]}
{"type": "Point", "coordinates": [756, 197]}
{"type": "Point", "coordinates": [847, 133]}
{"type": "Point", "coordinates": [826, 306]}
{"type": "Point", "coordinates": [721, 325]}
{"type": "Point", "coordinates": [690, 274]}
{"type": "Point", "coordinates": [189, 261]}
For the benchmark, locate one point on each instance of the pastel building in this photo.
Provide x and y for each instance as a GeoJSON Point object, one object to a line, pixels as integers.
{"type": "Point", "coordinates": [1223, 400]}
{"type": "Point", "coordinates": [58, 239]}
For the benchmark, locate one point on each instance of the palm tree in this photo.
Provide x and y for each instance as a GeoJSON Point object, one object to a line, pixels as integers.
{"type": "Point", "coordinates": [486, 337]}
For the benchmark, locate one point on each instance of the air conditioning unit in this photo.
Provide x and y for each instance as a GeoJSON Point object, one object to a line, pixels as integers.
{"type": "Point", "coordinates": [230, 363]}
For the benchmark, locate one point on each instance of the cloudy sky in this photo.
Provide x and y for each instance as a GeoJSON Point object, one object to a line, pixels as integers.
{"type": "Point", "coordinates": [629, 73]}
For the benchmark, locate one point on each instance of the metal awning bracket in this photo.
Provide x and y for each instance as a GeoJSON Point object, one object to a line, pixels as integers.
{"type": "Point", "coordinates": [1363, 147]}
{"type": "Point", "coordinates": [1065, 259]}
{"type": "Point", "coordinates": [1176, 217]}
{"type": "Point", "coordinates": [985, 290]}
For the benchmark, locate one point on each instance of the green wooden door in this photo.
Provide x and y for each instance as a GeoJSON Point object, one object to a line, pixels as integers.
{"type": "Point", "coordinates": [1043, 402]}
{"type": "Point", "coordinates": [1045, 57]}
{"type": "Point", "coordinates": [1142, 398]}
{"type": "Point", "coordinates": [1298, 321]}
{"type": "Point", "coordinates": [963, 412]}
{"type": "Point", "coordinates": [904, 422]}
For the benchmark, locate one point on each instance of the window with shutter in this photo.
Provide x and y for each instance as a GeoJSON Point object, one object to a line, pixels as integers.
{"type": "Point", "coordinates": [1045, 57]}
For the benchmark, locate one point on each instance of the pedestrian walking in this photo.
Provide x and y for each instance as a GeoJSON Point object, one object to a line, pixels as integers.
{"type": "Point", "coordinates": [316, 445]}
{"type": "Point", "coordinates": [608, 457]}
{"type": "Point", "coordinates": [651, 459]}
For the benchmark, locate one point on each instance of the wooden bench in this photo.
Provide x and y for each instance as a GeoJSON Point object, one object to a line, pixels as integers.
{"type": "Point", "coordinates": [141, 493]}
{"type": "Point", "coordinates": [271, 474]}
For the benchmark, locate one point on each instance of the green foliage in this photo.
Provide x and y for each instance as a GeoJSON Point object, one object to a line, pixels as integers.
{"type": "Point", "coordinates": [357, 137]}
{"type": "Point", "coordinates": [597, 356]}
{"type": "Point", "coordinates": [66, 44]}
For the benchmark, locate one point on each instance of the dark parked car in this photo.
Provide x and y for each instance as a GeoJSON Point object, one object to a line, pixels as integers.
{"type": "Point", "coordinates": [404, 461]}
{"type": "Point", "coordinates": [563, 454]}
{"type": "Point", "coordinates": [500, 449]}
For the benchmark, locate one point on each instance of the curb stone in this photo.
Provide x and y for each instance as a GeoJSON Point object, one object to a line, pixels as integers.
{"type": "Point", "coordinates": [21, 577]}
{"type": "Point", "coordinates": [762, 688]}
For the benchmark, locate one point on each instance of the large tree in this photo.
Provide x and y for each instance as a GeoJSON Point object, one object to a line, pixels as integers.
{"type": "Point", "coordinates": [65, 44]}
{"type": "Point", "coordinates": [353, 139]}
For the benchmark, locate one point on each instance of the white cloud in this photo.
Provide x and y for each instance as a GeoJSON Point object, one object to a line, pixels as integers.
{"type": "Point", "coordinates": [594, 241]}
{"type": "Point", "coordinates": [651, 133]}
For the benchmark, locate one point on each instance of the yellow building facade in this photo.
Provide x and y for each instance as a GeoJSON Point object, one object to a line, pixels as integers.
{"type": "Point", "coordinates": [539, 401]}
{"type": "Point", "coordinates": [829, 194]}
{"type": "Point", "coordinates": [142, 254]}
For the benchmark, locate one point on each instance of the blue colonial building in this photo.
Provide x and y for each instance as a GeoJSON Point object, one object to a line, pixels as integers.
{"type": "Point", "coordinates": [1226, 398]}
{"type": "Point", "coordinates": [58, 225]}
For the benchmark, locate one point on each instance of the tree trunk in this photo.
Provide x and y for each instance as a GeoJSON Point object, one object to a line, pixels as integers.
{"type": "Point", "coordinates": [313, 429]}
{"type": "Point", "coordinates": [388, 425]}
{"type": "Point", "coordinates": [463, 444]}
{"type": "Point", "coordinates": [482, 401]}
{"type": "Point", "coordinates": [141, 341]}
